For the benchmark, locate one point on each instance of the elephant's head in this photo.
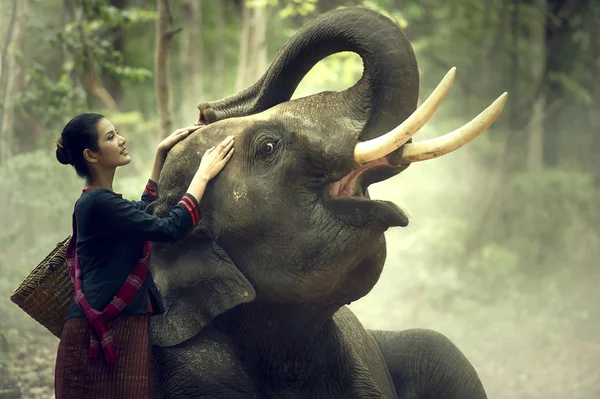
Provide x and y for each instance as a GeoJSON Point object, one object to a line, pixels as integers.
{"type": "Point", "coordinates": [289, 218]}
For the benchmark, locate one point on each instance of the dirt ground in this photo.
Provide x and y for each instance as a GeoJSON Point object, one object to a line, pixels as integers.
{"type": "Point", "coordinates": [31, 364]}
{"type": "Point", "coordinates": [517, 370]}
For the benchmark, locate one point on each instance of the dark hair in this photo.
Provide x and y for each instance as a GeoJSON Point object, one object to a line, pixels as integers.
{"type": "Point", "coordinates": [80, 133]}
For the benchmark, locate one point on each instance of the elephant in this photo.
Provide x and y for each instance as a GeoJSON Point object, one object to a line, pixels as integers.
{"type": "Point", "coordinates": [256, 296]}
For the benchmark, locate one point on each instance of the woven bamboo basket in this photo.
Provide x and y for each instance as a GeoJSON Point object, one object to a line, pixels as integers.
{"type": "Point", "coordinates": [47, 291]}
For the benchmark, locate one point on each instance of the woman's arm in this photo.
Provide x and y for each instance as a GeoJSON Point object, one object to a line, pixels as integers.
{"type": "Point", "coordinates": [159, 161]}
{"type": "Point", "coordinates": [151, 190]}
{"type": "Point", "coordinates": [148, 196]}
{"type": "Point", "coordinates": [165, 146]}
{"type": "Point", "coordinates": [123, 216]}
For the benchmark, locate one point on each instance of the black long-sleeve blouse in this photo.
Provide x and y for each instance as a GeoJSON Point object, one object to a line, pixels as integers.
{"type": "Point", "coordinates": [111, 232]}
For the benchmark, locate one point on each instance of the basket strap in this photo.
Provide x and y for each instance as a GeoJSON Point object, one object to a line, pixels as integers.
{"type": "Point", "coordinates": [100, 337]}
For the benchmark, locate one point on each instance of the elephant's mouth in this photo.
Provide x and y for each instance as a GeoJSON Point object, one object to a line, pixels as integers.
{"type": "Point", "coordinates": [349, 196]}
{"type": "Point", "coordinates": [355, 184]}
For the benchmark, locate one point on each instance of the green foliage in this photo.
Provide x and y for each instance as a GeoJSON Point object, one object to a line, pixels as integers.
{"type": "Point", "coordinates": [101, 19]}
{"type": "Point", "coordinates": [336, 72]}
{"type": "Point", "coordinates": [554, 209]}
{"type": "Point", "coordinates": [53, 93]}
{"type": "Point", "coordinates": [137, 75]}
{"type": "Point", "coordinates": [49, 99]}
{"type": "Point", "coordinates": [394, 14]}
{"type": "Point", "coordinates": [573, 88]}
{"type": "Point", "coordinates": [552, 217]}
{"type": "Point", "coordinates": [108, 16]}
{"type": "Point", "coordinates": [292, 8]}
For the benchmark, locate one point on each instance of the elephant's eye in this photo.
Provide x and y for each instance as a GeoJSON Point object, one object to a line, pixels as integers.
{"type": "Point", "coordinates": [268, 148]}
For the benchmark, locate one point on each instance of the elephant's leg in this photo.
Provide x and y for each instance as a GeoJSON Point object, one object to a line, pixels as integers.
{"type": "Point", "coordinates": [205, 366]}
{"type": "Point", "coordinates": [425, 365]}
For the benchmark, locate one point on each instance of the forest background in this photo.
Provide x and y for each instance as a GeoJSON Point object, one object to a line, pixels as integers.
{"type": "Point", "coordinates": [502, 253]}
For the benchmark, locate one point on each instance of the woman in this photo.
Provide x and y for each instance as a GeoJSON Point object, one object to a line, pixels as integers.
{"type": "Point", "coordinates": [104, 350]}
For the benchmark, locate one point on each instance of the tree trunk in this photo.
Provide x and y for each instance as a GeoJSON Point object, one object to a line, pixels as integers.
{"type": "Point", "coordinates": [538, 68]}
{"type": "Point", "coordinates": [117, 37]}
{"type": "Point", "coordinates": [8, 65]}
{"type": "Point", "coordinates": [67, 17]}
{"type": "Point", "coordinates": [164, 34]}
{"type": "Point", "coordinates": [560, 58]}
{"type": "Point", "coordinates": [512, 151]}
{"type": "Point", "coordinates": [242, 70]}
{"type": "Point", "coordinates": [90, 78]}
{"type": "Point", "coordinates": [192, 56]}
{"type": "Point", "coordinates": [514, 55]}
{"type": "Point", "coordinates": [29, 128]}
{"type": "Point", "coordinates": [593, 116]}
{"type": "Point", "coordinates": [258, 47]}
{"type": "Point", "coordinates": [253, 46]}
{"type": "Point", "coordinates": [218, 75]}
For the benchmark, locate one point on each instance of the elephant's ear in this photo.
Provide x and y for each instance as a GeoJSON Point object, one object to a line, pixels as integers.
{"type": "Point", "coordinates": [197, 282]}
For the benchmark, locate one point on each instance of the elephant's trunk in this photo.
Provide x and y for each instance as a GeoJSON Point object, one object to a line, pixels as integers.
{"type": "Point", "coordinates": [390, 77]}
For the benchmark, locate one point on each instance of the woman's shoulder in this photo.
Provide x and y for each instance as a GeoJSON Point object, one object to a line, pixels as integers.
{"type": "Point", "coordinates": [96, 199]}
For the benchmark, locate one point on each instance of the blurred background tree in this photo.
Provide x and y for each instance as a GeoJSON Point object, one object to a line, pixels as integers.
{"type": "Point", "coordinates": [502, 254]}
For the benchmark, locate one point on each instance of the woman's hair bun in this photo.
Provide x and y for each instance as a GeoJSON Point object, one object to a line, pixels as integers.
{"type": "Point", "coordinates": [61, 153]}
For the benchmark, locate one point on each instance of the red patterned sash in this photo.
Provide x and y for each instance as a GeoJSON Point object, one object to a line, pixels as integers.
{"type": "Point", "coordinates": [100, 337]}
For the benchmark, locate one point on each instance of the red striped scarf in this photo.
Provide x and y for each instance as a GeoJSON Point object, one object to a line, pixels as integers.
{"type": "Point", "coordinates": [100, 337]}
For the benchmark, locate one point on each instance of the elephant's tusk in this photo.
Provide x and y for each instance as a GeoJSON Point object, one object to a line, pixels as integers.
{"type": "Point", "coordinates": [381, 146]}
{"type": "Point", "coordinates": [433, 148]}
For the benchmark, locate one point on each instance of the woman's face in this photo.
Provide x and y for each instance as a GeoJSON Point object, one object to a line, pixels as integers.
{"type": "Point", "coordinates": [112, 149]}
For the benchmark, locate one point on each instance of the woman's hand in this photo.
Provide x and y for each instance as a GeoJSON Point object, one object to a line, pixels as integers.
{"type": "Point", "coordinates": [215, 158]}
{"type": "Point", "coordinates": [175, 137]}
{"type": "Point", "coordinates": [212, 162]}
{"type": "Point", "coordinates": [165, 146]}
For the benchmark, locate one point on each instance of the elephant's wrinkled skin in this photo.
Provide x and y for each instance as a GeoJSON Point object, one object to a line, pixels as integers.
{"type": "Point", "coordinates": [255, 295]}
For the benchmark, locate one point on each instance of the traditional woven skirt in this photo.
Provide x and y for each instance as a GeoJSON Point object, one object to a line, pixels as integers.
{"type": "Point", "coordinates": [78, 377]}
